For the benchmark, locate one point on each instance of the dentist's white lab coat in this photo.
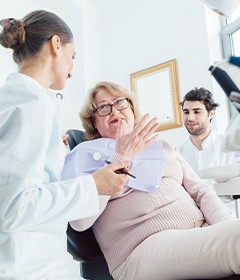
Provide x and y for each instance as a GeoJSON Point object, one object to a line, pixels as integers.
{"type": "Point", "coordinates": [34, 205]}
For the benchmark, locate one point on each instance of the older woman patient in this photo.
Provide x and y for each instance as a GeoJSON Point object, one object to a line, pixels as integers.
{"type": "Point", "coordinates": [165, 223]}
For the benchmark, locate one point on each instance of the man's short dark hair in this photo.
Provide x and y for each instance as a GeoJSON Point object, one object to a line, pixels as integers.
{"type": "Point", "coordinates": [203, 95]}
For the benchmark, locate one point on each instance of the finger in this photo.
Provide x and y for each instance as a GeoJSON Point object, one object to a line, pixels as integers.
{"type": "Point", "coordinates": [141, 124]}
{"type": "Point", "coordinates": [151, 130]}
{"type": "Point", "coordinates": [120, 129]}
{"type": "Point", "coordinates": [150, 126]}
{"type": "Point", "coordinates": [118, 165]}
{"type": "Point", "coordinates": [65, 136]}
{"type": "Point", "coordinates": [151, 139]}
{"type": "Point", "coordinates": [65, 139]}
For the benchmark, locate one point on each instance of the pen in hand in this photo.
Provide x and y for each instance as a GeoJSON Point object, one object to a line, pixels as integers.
{"type": "Point", "coordinates": [122, 170]}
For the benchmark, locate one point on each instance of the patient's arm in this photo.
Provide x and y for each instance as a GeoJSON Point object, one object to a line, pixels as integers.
{"type": "Point", "coordinates": [83, 224]}
{"type": "Point", "coordinates": [205, 197]}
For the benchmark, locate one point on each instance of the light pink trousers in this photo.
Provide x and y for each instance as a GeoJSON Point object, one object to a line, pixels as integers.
{"type": "Point", "coordinates": [205, 252]}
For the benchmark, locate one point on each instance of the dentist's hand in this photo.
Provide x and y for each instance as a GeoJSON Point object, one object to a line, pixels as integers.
{"type": "Point", "coordinates": [108, 180]}
{"type": "Point", "coordinates": [129, 144]}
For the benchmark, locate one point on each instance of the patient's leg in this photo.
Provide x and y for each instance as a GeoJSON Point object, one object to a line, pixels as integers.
{"type": "Point", "coordinates": [212, 251]}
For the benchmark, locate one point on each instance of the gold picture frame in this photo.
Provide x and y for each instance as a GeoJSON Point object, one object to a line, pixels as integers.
{"type": "Point", "coordinates": [157, 93]}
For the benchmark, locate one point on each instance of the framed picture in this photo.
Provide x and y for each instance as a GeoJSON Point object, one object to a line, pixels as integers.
{"type": "Point", "coordinates": [157, 93]}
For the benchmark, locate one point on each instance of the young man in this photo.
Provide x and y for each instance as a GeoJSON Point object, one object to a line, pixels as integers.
{"type": "Point", "coordinates": [203, 147]}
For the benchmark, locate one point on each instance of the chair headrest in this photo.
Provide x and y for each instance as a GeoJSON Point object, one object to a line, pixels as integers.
{"type": "Point", "coordinates": [75, 137]}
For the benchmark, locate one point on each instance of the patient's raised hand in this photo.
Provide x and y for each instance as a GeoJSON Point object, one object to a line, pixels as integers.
{"type": "Point", "coordinates": [130, 143]}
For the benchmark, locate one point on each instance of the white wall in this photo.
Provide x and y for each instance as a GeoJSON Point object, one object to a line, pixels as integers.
{"type": "Point", "coordinates": [139, 34]}
{"type": "Point", "coordinates": [6, 63]}
{"type": "Point", "coordinates": [76, 16]}
{"type": "Point", "coordinates": [73, 15]}
{"type": "Point", "coordinates": [120, 37]}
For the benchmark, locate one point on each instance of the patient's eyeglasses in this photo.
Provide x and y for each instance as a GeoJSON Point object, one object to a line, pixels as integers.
{"type": "Point", "coordinates": [120, 104]}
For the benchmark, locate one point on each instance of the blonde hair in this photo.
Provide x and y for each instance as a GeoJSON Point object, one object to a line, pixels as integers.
{"type": "Point", "coordinates": [87, 112]}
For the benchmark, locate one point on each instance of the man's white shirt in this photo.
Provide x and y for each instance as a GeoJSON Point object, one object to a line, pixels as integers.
{"type": "Point", "coordinates": [211, 154]}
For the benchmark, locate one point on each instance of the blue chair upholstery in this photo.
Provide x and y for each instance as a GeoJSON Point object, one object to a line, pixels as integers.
{"type": "Point", "coordinates": [83, 245]}
{"type": "Point", "coordinates": [74, 137]}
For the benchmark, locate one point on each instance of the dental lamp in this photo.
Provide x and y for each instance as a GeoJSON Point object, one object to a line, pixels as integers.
{"type": "Point", "coordinates": [222, 7]}
{"type": "Point", "coordinates": [227, 75]}
{"type": "Point", "coordinates": [227, 177]}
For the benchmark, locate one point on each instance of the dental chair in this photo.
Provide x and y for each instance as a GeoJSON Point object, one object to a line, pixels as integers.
{"type": "Point", "coordinates": [83, 246]}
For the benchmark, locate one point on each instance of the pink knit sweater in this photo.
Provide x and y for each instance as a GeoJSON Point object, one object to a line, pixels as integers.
{"type": "Point", "coordinates": [182, 201]}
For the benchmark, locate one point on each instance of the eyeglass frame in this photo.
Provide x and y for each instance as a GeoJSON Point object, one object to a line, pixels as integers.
{"type": "Point", "coordinates": [112, 105]}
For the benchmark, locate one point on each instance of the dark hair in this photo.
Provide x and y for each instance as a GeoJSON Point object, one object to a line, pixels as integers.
{"type": "Point", "coordinates": [203, 95]}
{"type": "Point", "coordinates": [27, 36]}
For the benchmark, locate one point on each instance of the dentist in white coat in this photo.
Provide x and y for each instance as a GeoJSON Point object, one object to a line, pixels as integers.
{"type": "Point", "coordinates": [35, 206]}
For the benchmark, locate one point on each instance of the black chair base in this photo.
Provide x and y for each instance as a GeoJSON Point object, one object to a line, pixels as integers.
{"type": "Point", "coordinates": [95, 270]}
{"type": "Point", "coordinates": [231, 277]}
{"type": "Point", "coordinates": [85, 249]}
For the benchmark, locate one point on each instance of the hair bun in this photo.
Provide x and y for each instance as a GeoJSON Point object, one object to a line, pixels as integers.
{"type": "Point", "coordinates": [13, 33]}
